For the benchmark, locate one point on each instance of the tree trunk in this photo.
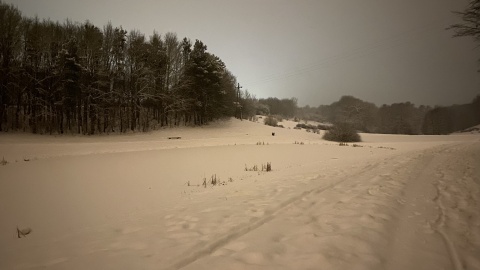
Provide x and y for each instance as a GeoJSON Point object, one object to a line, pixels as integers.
{"type": "Point", "coordinates": [85, 115]}
{"type": "Point", "coordinates": [92, 119]}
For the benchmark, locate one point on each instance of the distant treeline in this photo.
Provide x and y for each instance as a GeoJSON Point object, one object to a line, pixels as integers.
{"type": "Point", "coordinates": [397, 118]}
{"type": "Point", "coordinates": [285, 107]}
{"type": "Point", "coordinates": [78, 78]}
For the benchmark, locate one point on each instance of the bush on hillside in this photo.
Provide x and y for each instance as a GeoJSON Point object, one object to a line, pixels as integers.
{"type": "Point", "coordinates": [342, 132]}
{"type": "Point", "coordinates": [270, 121]}
{"type": "Point", "coordinates": [278, 117]}
{"type": "Point", "coordinates": [309, 126]}
{"type": "Point", "coordinates": [323, 127]}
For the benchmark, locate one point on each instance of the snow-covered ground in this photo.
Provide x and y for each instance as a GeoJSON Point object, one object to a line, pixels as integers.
{"type": "Point", "coordinates": [471, 130]}
{"type": "Point", "coordinates": [137, 201]}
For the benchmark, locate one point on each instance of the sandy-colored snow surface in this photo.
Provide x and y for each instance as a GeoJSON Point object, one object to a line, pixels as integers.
{"type": "Point", "coordinates": [137, 201]}
{"type": "Point", "coordinates": [471, 130]}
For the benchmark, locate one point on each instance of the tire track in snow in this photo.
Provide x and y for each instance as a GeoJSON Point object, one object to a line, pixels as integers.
{"type": "Point", "coordinates": [432, 169]}
{"type": "Point", "coordinates": [418, 167]}
{"type": "Point", "coordinates": [423, 192]}
{"type": "Point", "coordinates": [439, 224]}
{"type": "Point", "coordinates": [208, 248]}
{"type": "Point", "coordinates": [239, 231]}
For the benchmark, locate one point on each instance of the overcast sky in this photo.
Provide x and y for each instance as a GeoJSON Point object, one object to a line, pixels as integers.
{"type": "Point", "coordinates": [383, 51]}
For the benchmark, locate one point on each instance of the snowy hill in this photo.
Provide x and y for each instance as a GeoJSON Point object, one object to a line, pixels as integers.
{"type": "Point", "coordinates": [138, 201]}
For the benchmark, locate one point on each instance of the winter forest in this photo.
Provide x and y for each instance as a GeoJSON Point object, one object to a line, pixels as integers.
{"type": "Point", "coordinates": [79, 78]}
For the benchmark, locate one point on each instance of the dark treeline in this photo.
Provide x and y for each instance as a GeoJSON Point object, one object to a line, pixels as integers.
{"type": "Point", "coordinates": [285, 107]}
{"type": "Point", "coordinates": [78, 78]}
{"type": "Point", "coordinates": [406, 118]}
{"type": "Point", "coordinates": [397, 118]}
{"type": "Point", "coordinates": [445, 120]}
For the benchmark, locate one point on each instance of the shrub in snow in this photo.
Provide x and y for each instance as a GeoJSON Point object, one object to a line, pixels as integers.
{"type": "Point", "coordinates": [214, 180]}
{"type": "Point", "coordinates": [270, 121]}
{"type": "Point", "coordinates": [342, 132]}
{"type": "Point", "coordinates": [267, 167]}
{"type": "Point", "coordinates": [323, 127]}
{"type": "Point", "coordinates": [278, 117]}
{"type": "Point", "coordinates": [308, 126]}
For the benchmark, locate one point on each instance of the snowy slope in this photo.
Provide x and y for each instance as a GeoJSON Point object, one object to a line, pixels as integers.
{"type": "Point", "coordinates": [471, 130]}
{"type": "Point", "coordinates": [136, 201]}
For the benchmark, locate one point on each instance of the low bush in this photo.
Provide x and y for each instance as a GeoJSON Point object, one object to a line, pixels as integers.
{"type": "Point", "coordinates": [323, 127]}
{"type": "Point", "coordinates": [278, 117]}
{"type": "Point", "coordinates": [270, 121]}
{"type": "Point", "coordinates": [265, 167]}
{"type": "Point", "coordinates": [342, 132]}
{"type": "Point", "coordinates": [309, 126]}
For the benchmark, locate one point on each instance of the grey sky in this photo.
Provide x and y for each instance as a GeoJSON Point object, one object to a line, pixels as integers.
{"type": "Point", "coordinates": [316, 50]}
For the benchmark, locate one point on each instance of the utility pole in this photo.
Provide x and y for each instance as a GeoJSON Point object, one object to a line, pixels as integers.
{"type": "Point", "coordinates": [239, 106]}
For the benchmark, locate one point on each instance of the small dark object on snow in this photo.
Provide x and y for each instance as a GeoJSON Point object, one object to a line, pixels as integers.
{"type": "Point", "coordinates": [23, 232]}
{"type": "Point", "coordinates": [174, 138]}
{"type": "Point", "coordinates": [273, 133]}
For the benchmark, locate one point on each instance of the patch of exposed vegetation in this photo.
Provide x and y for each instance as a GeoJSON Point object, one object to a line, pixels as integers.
{"type": "Point", "coordinates": [342, 132]}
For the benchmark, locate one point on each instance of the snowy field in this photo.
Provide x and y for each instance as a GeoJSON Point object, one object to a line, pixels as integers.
{"type": "Point", "coordinates": [137, 201]}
